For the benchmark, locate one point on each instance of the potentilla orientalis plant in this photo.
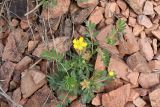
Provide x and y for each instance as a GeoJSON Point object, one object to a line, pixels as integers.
{"type": "Point", "coordinates": [74, 73]}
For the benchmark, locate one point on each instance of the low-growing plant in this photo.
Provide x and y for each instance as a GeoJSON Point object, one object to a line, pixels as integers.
{"type": "Point", "coordinates": [74, 71]}
{"type": "Point", "coordinates": [116, 33]}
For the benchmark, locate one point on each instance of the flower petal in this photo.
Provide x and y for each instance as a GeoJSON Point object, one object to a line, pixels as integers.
{"type": "Point", "coordinates": [81, 39]}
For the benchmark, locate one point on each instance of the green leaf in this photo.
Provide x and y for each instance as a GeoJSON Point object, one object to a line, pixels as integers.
{"type": "Point", "coordinates": [90, 26]}
{"type": "Point", "coordinates": [52, 55]}
{"type": "Point", "coordinates": [105, 57]}
{"type": "Point", "coordinates": [120, 25]}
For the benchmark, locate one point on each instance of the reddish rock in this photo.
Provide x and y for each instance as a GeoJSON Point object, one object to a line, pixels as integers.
{"type": "Point", "coordinates": [40, 98]}
{"type": "Point", "coordinates": [133, 95]}
{"type": "Point", "coordinates": [25, 24]}
{"type": "Point", "coordinates": [17, 95]}
{"type": "Point", "coordinates": [138, 63]}
{"type": "Point", "coordinates": [145, 21]}
{"type": "Point", "coordinates": [139, 102]}
{"type": "Point", "coordinates": [154, 65]}
{"type": "Point", "coordinates": [76, 103]}
{"type": "Point", "coordinates": [110, 9]}
{"type": "Point", "coordinates": [88, 3]}
{"type": "Point", "coordinates": [97, 15]}
{"type": "Point", "coordinates": [122, 5]}
{"type": "Point", "coordinates": [60, 44]}
{"type": "Point", "coordinates": [126, 13]}
{"type": "Point", "coordinates": [145, 47]}
{"type": "Point", "coordinates": [132, 21]}
{"type": "Point", "coordinates": [15, 46]}
{"type": "Point", "coordinates": [113, 85]}
{"type": "Point", "coordinates": [137, 29]}
{"type": "Point", "coordinates": [156, 33]}
{"type": "Point", "coordinates": [101, 37]}
{"type": "Point", "coordinates": [116, 98]}
{"type": "Point", "coordinates": [122, 70]}
{"type": "Point", "coordinates": [154, 98]}
{"type": "Point", "coordinates": [58, 10]}
{"type": "Point", "coordinates": [148, 8]}
{"type": "Point", "coordinates": [154, 44]}
{"type": "Point", "coordinates": [148, 80]}
{"type": "Point", "coordinates": [6, 72]}
{"type": "Point", "coordinates": [142, 92]}
{"type": "Point", "coordinates": [23, 64]}
{"type": "Point", "coordinates": [128, 46]}
{"type": "Point", "coordinates": [32, 45]}
{"type": "Point", "coordinates": [99, 65]}
{"type": "Point", "coordinates": [136, 5]}
{"type": "Point", "coordinates": [133, 78]}
{"type": "Point", "coordinates": [31, 81]}
{"type": "Point", "coordinates": [14, 22]}
{"type": "Point", "coordinates": [157, 9]}
{"type": "Point", "coordinates": [129, 104]}
{"type": "Point", "coordinates": [96, 100]}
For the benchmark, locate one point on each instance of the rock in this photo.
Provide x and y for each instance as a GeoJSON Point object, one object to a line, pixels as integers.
{"type": "Point", "coordinates": [154, 65]}
{"type": "Point", "coordinates": [128, 46]}
{"type": "Point", "coordinates": [129, 104]}
{"type": "Point", "coordinates": [40, 98]}
{"type": "Point", "coordinates": [101, 37]}
{"type": "Point", "coordinates": [122, 70]}
{"type": "Point", "coordinates": [76, 103]}
{"type": "Point", "coordinates": [139, 102]}
{"type": "Point", "coordinates": [25, 24]}
{"type": "Point", "coordinates": [145, 47]}
{"type": "Point", "coordinates": [138, 63]}
{"type": "Point", "coordinates": [136, 5]}
{"type": "Point", "coordinates": [137, 29]}
{"type": "Point", "coordinates": [148, 8]}
{"type": "Point", "coordinates": [157, 9]}
{"type": "Point", "coordinates": [16, 95]}
{"type": "Point", "coordinates": [110, 9]}
{"type": "Point", "coordinates": [58, 10]}
{"type": "Point", "coordinates": [99, 64]}
{"type": "Point", "coordinates": [80, 15]}
{"type": "Point", "coordinates": [113, 85]}
{"type": "Point", "coordinates": [15, 46]}
{"type": "Point", "coordinates": [31, 81]}
{"type": "Point", "coordinates": [23, 64]}
{"type": "Point", "coordinates": [122, 5]}
{"type": "Point", "coordinates": [145, 21]}
{"type": "Point", "coordinates": [142, 92]}
{"type": "Point", "coordinates": [132, 21]}
{"type": "Point", "coordinates": [96, 100]}
{"type": "Point", "coordinates": [60, 44]}
{"type": "Point", "coordinates": [126, 13]}
{"type": "Point", "coordinates": [97, 15]}
{"type": "Point", "coordinates": [148, 80]}
{"type": "Point", "coordinates": [6, 72]}
{"type": "Point", "coordinates": [116, 98]}
{"type": "Point", "coordinates": [14, 22]}
{"type": "Point", "coordinates": [154, 98]}
{"type": "Point", "coordinates": [133, 95]}
{"type": "Point", "coordinates": [153, 28]}
{"type": "Point", "coordinates": [156, 33]}
{"type": "Point", "coordinates": [88, 3]}
{"type": "Point", "coordinates": [154, 44]}
{"type": "Point", "coordinates": [32, 45]}
{"type": "Point", "coordinates": [133, 78]}
{"type": "Point", "coordinates": [1, 49]}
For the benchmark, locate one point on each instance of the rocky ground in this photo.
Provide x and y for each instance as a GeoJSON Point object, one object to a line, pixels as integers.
{"type": "Point", "coordinates": [136, 59]}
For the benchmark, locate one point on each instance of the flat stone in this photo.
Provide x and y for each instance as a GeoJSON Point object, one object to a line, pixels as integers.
{"type": "Point", "coordinates": [154, 65]}
{"type": "Point", "coordinates": [139, 102]}
{"type": "Point", "coordinates": [116, 98]}
{"type": "Point", "coordinates": [157, 9]}
{"type": "Point", "coordinates": [148, 8]}
{"type": "Point", "coordinates": [145, 21]}
{"type": "Point", "coordinates": [148, 80]}
{"type": "Point", "coordinates": [138, 63]}
{"type": "Point", "coordinates": [154, 98]}
{"type": "Point", "coordinates": [156, 33]}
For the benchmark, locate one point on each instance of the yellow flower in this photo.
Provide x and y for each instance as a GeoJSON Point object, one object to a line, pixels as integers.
{"type": "Point", "coordinates": [111, 73]}
{"type": "Point", "coordinates": [79, 44]}
{"type": "Point", "coordinates": [85, 84]}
